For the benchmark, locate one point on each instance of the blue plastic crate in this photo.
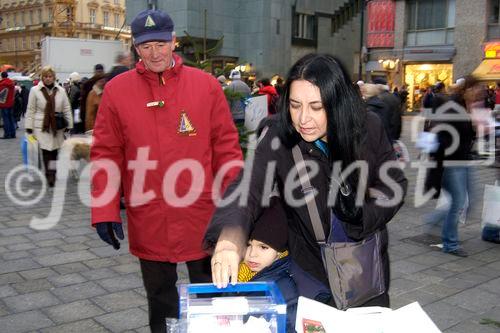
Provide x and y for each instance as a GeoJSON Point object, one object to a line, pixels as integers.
{"type": "Point", "coordinates": [222, 310]}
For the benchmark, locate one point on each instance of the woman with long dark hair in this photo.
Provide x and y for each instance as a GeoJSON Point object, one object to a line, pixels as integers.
{"type": "Point", "coordinates": [324, 120]}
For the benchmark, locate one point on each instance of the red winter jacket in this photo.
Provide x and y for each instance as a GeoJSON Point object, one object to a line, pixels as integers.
{"type": "Point", "coordinates": [7, 93]}
{"type": "Point", "coordinates": [192, 127]}
{"type": "Point", "coordinates": [270, 91]}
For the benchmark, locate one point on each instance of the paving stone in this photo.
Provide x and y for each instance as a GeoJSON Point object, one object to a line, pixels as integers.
{"type": "Point", "coordinates": [87, 326]}
{"type": "Point", "coordinates": [144, 329]}
{"type": "Point", "coordinates": [21, 247]}
{"type": "Point", "coordinates": [438, 272]}
{"type": "Point", "coordinates": [123, 320]}
{"type": "Point", "coordinates": [73, 311]}
{"type": "Point", "coordinates": [462, 265]}
{"type": "Point", "coordinates": [64, 258]}
{"type": "Point", "coordinates": [73, 247]}
{"type": "Point", "coordinates": [79, 291]}
{"type": "Point", "coordinates": [101, 263]}
{"type": "Point", "coordinates": [108, 251]}
{"type": "Point", "coordinates": [472, 327]}
{"type": "Point", "coordinates": [420, 296]}
{"type": "Point", "coordinates": [400, 286]}
{"type": "Point", "coordinates": [485, 256]}
{"type": "Point", "coordinates": [10, 278]}
{"type": "Point", "coordinates": [127, 268]}
{"type": "Point", "coordinates": [495, 265]}
{"type": "Point", "coordinates": [13, 240]}
{"type": "Point", "coordinates": [120, 301]}
{"type": "Point", "coordinates": [79, 231]}
{"type": "Point", "coordinates": [16, 231]}
{"type": "Point", "coordinates": [445, 315]}
{"type": "Point", "coordinates": [3, 309]}
{"type": "Point", "coordinates": [6, 291]}
{"type": "Point", "coordinates": [76, 239]}
{"type": "Point", "coordinates": [50, 242]}
{"type": "Point", "coordinates": [141, 291]}
{"type": "Point", "coordinates": [66, 280]}
{"type": "Point", "coordinates": [458, 283]}
{"type": "Point", "coordinates": [492, 286]}
{"type": "Point", "coordinates": [441, 290]}
{"type": "Point", "coordinates": [473, 277]}
{"type": "Point", "coordinates": [44, 235]}
{"type": "Point", "coordinates": [37, 273]}
{"type": "Point", "coordinates": [406, 267]}
{"type": "Point", "coordinates": [127, 259]}
{"type": "Point", "coordinates": [475, 300]}
{"type": "Point", "coordinates": [30, 301]}
{"type": "Point", "coordinates": [122, 282]}
{"type": "Point", "coordinates": [17, 265]}
{"type": "Point", "coordinates": [45, 251]}
{"type": "Point", "coordinates": [98, 274]}
{"type": "Point", "coordinates": [32, 286]}
{"type": "Point", "coordinates": [430, 259]}
{"type": "Point", "coordinates": [24, 322]}
{"type": "Point", "coordinates": [11, 255]}
{"type": "Point", "coordinates": [74, 267]}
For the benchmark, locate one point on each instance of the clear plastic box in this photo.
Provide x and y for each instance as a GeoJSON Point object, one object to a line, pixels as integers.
{"type": "Point", "coordinates": [256, 307]}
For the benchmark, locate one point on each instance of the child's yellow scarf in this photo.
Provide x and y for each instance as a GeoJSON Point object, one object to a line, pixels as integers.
{"type": "Point", "coordinates": [245, 274]}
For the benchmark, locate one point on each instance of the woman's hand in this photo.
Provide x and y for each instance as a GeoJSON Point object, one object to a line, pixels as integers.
{"type": "Point", "coordinates": [225, 263]}
{"type": "Point", "coordinates": [227, 256]}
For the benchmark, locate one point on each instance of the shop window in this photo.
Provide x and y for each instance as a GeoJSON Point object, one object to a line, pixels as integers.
{"type": "Point", "coordinates": [419, 78]}
{"type": "Point", "coordinates": [430, 22]}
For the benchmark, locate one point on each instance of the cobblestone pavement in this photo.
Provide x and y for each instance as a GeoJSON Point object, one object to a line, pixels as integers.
{"type": "Point", "coordinates": [64, 279]}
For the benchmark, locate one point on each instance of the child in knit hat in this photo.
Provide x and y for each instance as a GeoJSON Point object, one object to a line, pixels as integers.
{"type": "Point", "coordinates": [267, 259]}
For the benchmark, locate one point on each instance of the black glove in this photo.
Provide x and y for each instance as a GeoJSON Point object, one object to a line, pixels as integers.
{"type": "Point", "coordinates": [107, 232]}
{"type": "Point", "coordinates": [29, 131]}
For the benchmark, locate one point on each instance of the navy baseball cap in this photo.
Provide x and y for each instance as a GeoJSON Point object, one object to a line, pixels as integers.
{"type": "Point", "coordinates": [152, 25]}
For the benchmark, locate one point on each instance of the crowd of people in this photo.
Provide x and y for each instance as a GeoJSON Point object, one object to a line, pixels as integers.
{"type": "Point", "coordinates": [317, 116]}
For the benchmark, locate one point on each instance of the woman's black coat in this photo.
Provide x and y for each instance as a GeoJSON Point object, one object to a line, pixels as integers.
{"type": "Point", "coordinates": [303, 248]}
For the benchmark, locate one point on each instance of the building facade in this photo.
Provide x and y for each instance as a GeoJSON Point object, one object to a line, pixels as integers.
{"type": "Point", "coordinates": [265, 36]}
{"type": "Point", "coordinates": [25, 22]}
{"type": "Point", "coordinates": [425, 41]}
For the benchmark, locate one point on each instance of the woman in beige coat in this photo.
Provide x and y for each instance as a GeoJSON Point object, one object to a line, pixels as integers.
{"type": "Point", "coordinates": [45, 100]}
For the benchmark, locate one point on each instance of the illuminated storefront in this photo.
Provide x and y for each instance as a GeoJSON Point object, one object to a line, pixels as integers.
{"type": "Point", "coordinates": [419, 77]}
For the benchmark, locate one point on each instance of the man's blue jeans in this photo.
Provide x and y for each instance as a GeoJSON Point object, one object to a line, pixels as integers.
{"type": "Point", "coordinates": [9, 123]}
{"type": "Point", "coordinates": [455, 181]}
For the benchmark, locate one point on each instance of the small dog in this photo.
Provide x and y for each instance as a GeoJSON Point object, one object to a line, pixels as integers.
{"type": "Point", "coordinates": [78, 148]}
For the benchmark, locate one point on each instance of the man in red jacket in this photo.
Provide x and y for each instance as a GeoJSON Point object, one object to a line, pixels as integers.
{"type": "Point", "coordinates": [166, 134]}
{"type": "Point", "coordinates": [7, 92]}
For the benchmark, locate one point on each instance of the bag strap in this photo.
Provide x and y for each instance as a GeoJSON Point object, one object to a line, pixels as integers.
{"type": "Point", "coordinates": [305, 183]}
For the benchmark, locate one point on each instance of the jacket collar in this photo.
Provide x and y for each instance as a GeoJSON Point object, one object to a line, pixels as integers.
{"type": "Point", "coordinates": [171, 72]}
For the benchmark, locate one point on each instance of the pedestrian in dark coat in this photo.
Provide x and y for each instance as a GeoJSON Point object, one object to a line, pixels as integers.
{"type": "Point", "coordinates": [324, 116]}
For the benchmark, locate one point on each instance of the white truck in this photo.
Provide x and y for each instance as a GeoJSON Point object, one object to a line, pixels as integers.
{"type": "Point", "coordinates": [68, 55]}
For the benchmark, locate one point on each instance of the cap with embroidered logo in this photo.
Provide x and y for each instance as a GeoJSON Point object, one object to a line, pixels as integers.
{"type": "Point", "coordinates": [152, 25]}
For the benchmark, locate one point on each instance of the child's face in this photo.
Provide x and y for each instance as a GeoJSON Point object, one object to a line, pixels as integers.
{"type": "Point", "coordinates": [259, 255]}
